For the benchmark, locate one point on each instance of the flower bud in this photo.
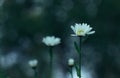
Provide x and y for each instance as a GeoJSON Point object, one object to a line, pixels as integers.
{"type": "Point", "coordinates": [33, 63]}
{"type": "Point", "coordinates": [70, 62]}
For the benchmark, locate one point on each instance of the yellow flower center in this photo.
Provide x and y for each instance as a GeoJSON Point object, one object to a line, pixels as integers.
{"type": "Point", "coordinates": [79, 32]}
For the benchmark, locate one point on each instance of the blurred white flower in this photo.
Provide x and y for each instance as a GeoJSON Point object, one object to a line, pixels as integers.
{"type": "Point", "coordinates": [70, 62]}
{"type": "Point", "coordinates": [51, 40]}
{"type": "Point", "coordinates": [33, 63]}
{"type": "Point", "coordinates": [82, 29]}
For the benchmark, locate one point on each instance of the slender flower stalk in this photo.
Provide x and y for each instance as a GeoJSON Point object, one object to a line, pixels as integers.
{"type": "Point", "coordinates": [36, 73]}
{"type": "Point", "coordinates": [33, 64]}
{"type": "Point", "coordinates": [80, 57]}
{"type": "Point", "coordinates": [71, 68]}
{"type": "Point", "coordinates": [51, 41]}
{"type": "Point", "coordinates": [71, 65]}
{"type": "Point", "coordinates": [78, 49]}
{"type": "Point", "coordinates": [80, 30]}
{"type": "Point", "coordinates": [51, 59]}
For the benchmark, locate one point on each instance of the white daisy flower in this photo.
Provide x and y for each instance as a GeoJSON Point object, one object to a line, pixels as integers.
{"type": "Point", "coordinates": [70, 62]}
{"type": "Point", "coordinates": [33, 63]}
{"type": "Point", "coordinates": [82, 29]}
{"type": "Point", "coordinates": [51, 40]}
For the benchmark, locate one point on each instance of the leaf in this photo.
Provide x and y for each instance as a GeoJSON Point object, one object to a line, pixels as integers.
{"type": "Point", "coordinates": [77, 70]}
{"type": "Point", "coordinates": [76, 47]}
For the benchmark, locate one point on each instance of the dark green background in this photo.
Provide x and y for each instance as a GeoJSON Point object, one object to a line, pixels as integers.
{"type": "Point", "coordinates": [23, 24]}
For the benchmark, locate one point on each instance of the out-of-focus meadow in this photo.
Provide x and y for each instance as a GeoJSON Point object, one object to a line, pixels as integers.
{"type": "Point", "coordinates": [24, 23]}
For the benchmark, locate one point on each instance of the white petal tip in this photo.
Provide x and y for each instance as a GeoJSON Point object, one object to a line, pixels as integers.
{"type": "Point", "coordinates": [92, 32]}
{"type": "Point", "coordinates": [73, 35]}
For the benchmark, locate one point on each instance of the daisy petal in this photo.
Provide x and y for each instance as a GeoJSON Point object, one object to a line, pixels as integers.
{"type": "Point", "coordinates": [73, 28]}
{"type": "Point", "coordinates": [73, 35]}
{"type": "Point", "coordinates": [92, 32]}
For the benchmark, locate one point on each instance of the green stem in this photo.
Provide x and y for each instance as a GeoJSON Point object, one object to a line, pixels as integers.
{"type": "Point", "coordinates": [71, 72]}
{"type": "Point", "coordinates": [80, 43]}
{"type": "Point", "coordinates": [36, 73]}
{"type": "Point", "coordinates": [51, 60]}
